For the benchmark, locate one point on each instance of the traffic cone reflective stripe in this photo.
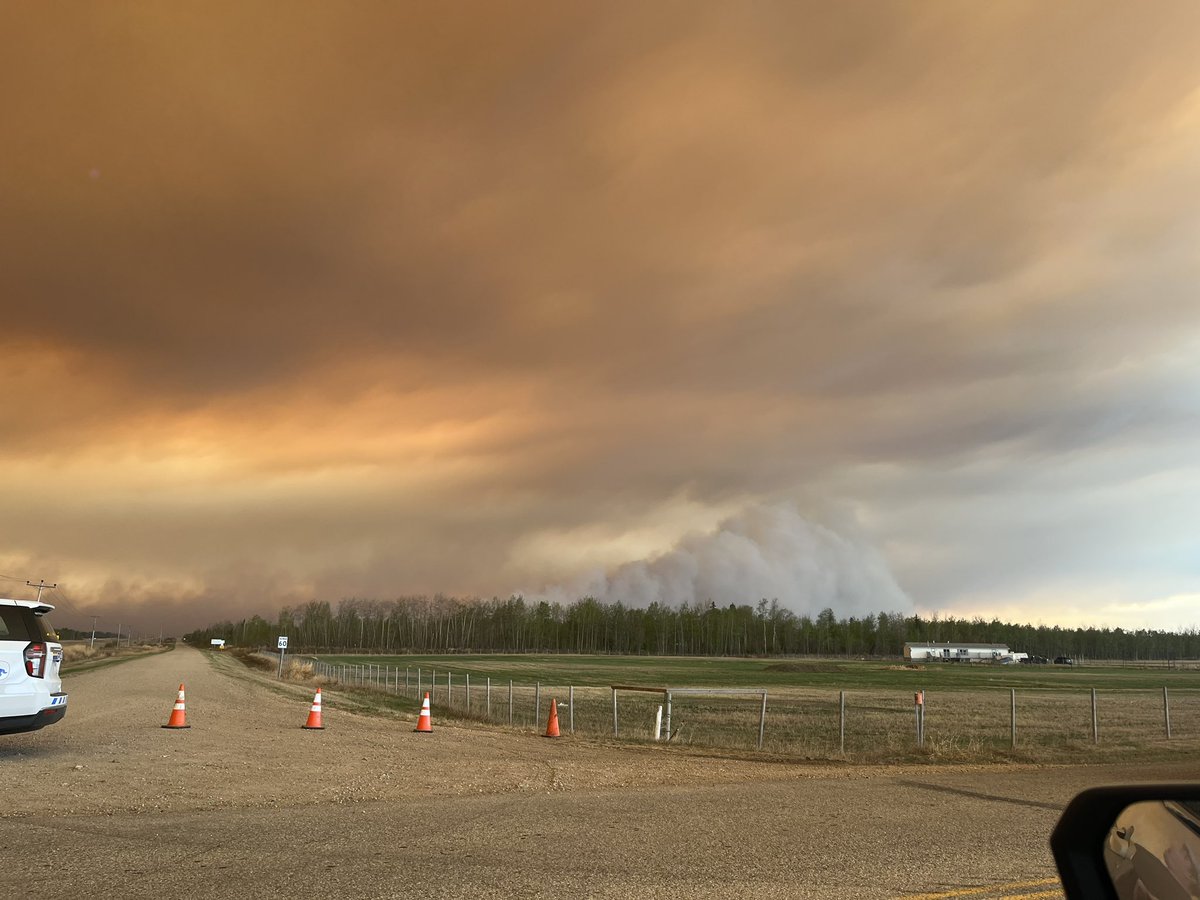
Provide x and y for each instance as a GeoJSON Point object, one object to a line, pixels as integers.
{"type": "Point", "coordinates": [178, 713]}
{"type": "Point", "coordinates": [552, 722]}
{"type": "Point", "coordinates": [424, 723]}
{"type": "Point", "coordinates": [314, 714]}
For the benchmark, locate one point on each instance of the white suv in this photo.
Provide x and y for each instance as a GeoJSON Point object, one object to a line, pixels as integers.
{"type": "Point", "coordinates": [31, 695]}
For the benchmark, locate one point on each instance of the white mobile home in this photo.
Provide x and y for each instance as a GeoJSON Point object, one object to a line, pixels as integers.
{"type": "Point", "coordinates": [957, 652]}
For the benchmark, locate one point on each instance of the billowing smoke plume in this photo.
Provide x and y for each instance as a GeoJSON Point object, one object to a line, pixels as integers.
{"type": "Point", "coordinates": [769, 552]}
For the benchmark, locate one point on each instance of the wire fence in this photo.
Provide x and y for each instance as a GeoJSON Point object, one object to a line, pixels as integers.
{"type": "Point", "coordinates": [811, 722]}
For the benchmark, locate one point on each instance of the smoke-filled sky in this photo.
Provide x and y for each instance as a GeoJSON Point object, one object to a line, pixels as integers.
{"type": "Point", "coordinates": [872, 305]}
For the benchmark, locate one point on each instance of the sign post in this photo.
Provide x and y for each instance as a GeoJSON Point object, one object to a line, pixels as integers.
{"type": "Point", "coordinates": [281, 643]}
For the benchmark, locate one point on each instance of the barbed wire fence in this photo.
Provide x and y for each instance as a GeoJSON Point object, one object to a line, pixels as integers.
{"type": "Point", "coordinates": [807, 721]}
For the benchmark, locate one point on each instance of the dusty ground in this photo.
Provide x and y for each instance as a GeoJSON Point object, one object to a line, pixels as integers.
{"type": "Point", "coordinates": [247, 804]}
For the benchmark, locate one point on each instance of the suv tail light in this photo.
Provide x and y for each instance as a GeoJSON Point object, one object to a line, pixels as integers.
{"type": "Point", "coordinates": [35, 660]}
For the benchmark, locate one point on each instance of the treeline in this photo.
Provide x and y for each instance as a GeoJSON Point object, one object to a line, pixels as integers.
{"type": "Point", "coordinates": [452, 625]}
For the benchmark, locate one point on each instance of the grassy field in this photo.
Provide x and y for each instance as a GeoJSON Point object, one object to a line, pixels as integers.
{"type": "Point", "coordinates": [837, 674]}
{"type": "Point", "coordinates": [967, 712]}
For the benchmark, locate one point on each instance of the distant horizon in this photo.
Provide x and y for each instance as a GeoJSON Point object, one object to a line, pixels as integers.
{"type": "Point", "coordinates": [62, 617]}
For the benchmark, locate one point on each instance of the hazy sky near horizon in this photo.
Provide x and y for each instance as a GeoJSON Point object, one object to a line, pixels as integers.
{"type": "Point", "coordinates": [877, 305]}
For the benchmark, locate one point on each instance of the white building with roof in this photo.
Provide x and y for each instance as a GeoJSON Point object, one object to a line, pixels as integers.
{"type": "Point", "coordinates": [959, 652]}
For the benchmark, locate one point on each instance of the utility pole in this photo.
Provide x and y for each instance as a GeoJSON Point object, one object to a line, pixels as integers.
{"type": "Point", "coordinates": [41, 586]}
{"type": "Point", "coordinates": [93, 643]}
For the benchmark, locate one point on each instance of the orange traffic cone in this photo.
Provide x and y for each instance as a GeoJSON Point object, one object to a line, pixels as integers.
{"type": "Point", "coordinates": [552, 722]}
{"type": "Point", "coordinates": [314, 714]}
{"type": "Point", "coordinates": [424, 723]}
{"type": "Point", "coordinates": [178, 715]}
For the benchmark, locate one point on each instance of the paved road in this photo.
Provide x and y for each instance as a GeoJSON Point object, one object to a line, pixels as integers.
{"type": "Point", "coordinates": [246, 804]}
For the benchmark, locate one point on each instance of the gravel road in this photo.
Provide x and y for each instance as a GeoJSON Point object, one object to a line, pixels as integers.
{"type": "Point", "coordinates": [247, 804]}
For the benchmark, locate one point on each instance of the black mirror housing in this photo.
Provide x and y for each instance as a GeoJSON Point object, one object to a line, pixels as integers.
{"type": "Point", "coordinates": [1079, 839]}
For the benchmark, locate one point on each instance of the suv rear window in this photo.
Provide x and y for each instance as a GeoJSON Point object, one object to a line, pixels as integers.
{"type": "Point", "coordinates": [18, 623]}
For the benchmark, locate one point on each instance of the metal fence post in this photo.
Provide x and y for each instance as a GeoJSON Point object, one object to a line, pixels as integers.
{"type": "Point", "coordinates": [488, 708]}
{"type": "Point", "coordinates": [571, 709]}
{"type": "Point", "coordinates": [418, 682]}
{"type": "Point", "coordinates": [468, 677]}
{"type": "Point", "coordinates": [762, 720]}
{"type": "Point", "coordinates": [449, 689]}
{"type": "Point", "coordinates": [668, 693]}
{"type": "Point", "coordinates": [510, 704]}
{"type": "Point", "coordinates": [406, 680]}
{"type": "Point", "coordinates": [1013, 718]}
{"type": "Point", "coordinates": [537, 702]}
{"type": "Point", "coordinates": [1095, 720]}
{"type": "Point", "coordinates": [842, 722]}
{"type": "Point", "coordinates": [1167, 712]}
{"type": "Point", "coordinates": [614, 692]}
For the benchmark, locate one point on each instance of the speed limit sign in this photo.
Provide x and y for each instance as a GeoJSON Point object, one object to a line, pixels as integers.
{"type": "Point", "coordinates": [282, 644]}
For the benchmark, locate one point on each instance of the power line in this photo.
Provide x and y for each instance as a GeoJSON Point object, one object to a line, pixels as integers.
{"type": "Point", "coordinates": [61, 595]}
{"type": "Point", "coordinates": [41, 586]}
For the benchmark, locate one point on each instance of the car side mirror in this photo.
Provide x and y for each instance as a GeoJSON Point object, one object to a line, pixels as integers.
{"type": "Point", "coordinates": [1136, 842]}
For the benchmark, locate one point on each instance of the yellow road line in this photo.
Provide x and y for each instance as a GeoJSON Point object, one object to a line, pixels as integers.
{"type": "Point", "coordinates": [1057, 892]}
{"type": "Point", "coordinates": [991, 889]}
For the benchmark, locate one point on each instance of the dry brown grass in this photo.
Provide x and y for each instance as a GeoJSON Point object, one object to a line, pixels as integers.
{"type": "Point", "coordinates": [79, 655]}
